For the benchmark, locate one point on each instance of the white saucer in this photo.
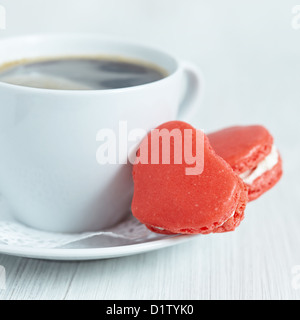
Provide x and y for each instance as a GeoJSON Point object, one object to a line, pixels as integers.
{"type": "Point", "coordinates": [127, 238]}
{"type": "Point", "coordinates": [92, 253]}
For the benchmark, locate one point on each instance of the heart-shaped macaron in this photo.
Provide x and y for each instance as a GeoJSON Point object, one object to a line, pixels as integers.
{"type": "Point", "coordinates": [169, 198]}
{"type": "Point", "coordinates": [251, 153]}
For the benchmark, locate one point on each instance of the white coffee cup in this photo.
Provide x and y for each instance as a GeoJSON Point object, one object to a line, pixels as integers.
{"type": "Point", "coordinates": [48, 169]}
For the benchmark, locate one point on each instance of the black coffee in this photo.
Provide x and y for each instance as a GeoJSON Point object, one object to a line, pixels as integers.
{"type": "Point", "coordinates": [80, 73]}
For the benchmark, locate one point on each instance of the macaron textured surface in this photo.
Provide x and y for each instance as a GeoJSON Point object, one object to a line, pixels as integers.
{"type": "Point", "coordinates": [167, 200]}
{"type": "Point", "coordinates": [250, 150]}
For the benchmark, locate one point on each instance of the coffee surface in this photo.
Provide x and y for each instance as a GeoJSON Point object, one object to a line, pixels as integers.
{"type": "Point", "coordinates": [81, 73]}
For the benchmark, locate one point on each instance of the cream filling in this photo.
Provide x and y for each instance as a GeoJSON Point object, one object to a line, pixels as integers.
{"type": "Point", "coordinates": [267, 164]}
{"type": "Point", "coordinates": [227, 219]}
{"type": "Point", "coordinates": [162, 229]}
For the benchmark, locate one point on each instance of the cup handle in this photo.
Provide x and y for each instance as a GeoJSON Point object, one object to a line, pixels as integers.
{"type": "Point", "coordinates": [194, 93]}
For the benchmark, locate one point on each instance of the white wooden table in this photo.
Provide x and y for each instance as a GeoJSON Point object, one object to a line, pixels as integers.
{"type": "Point", "coordinates": [250, 57]}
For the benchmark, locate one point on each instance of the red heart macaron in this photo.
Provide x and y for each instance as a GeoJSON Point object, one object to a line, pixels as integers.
{"type": "Point", "coordinates": [251, 153]}
{"type": "Point", "coordinates": [167, 200]}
